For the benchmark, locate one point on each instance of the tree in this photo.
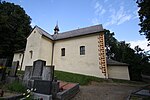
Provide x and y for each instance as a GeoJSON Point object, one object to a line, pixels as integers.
{"type": "Point", "coordinates": [144, 16]}
{"type": "Point", "coordinates": [14, 28]}
{"type": "Point", "coordinates": [137, 60]}
{"type": "Point", "coordinates": [110, 43]}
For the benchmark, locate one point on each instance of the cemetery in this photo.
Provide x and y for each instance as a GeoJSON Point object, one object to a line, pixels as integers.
{"type": "Point", "coordinates": [39, 81]}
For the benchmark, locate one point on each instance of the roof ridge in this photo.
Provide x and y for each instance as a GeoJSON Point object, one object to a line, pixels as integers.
{"type": "Point", "coordinates": [42, 29]}
{"type": "Point", "coordinates": [81, 28]}
{"type": "Point", "coordinates": [73, 33]}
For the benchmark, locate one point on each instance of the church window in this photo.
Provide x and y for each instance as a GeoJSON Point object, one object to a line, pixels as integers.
{"type": "Point", "coordinates": [31, 54]}
{"type": "Point", "coordinates": [82, 50]}
{"type": "Point", "coordinates": [20, 56]}
{"type": "Point", "coordinates": [63, 52]}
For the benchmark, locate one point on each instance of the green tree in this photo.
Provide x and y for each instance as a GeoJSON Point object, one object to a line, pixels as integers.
{"type": "Point", "coordinates": [144, 16]}
{"type": "Point", "coordinates": [110, 43]}
{"type": "Point", "coordinates": [137, 60]}
{"type": "Point", "coordinates": [14, 28]}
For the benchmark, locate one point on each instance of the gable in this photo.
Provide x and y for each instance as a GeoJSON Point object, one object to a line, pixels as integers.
{"type": "Point", "coordinates": [34, 35]}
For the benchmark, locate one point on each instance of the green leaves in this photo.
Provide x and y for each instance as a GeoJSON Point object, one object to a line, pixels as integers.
{"type": "Point", "coordinates": [144, 16]}
{"type": "Point", "coordinates": [14, 28]}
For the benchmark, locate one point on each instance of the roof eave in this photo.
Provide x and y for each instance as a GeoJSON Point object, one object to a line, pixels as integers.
{"type": "Point", "coordinates": [80, 35]}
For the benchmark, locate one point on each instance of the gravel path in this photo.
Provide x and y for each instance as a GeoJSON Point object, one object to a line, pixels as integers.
{"type": "Point", "coordinates": [105, 91]}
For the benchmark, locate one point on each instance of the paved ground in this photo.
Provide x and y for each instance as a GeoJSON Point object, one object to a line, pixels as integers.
{"type": "Point", "coordinates": [105, 91]}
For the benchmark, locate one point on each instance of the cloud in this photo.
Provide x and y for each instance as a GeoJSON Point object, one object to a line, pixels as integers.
{"type": "Point", "coordinates": [118, 17]}
{"type": "Point", "coordinates": [135, 13]}
{"type": "Point", "coordinates": [142, 44]}
{"type": "Point", "coordinates": [99, 10]}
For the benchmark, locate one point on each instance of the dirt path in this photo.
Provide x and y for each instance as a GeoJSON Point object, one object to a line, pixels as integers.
{"type": "Point", "coordinates": [105, 91]}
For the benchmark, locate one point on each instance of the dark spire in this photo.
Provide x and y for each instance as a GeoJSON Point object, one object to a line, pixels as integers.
{"type": "Point", "coordinates": [56, 29]}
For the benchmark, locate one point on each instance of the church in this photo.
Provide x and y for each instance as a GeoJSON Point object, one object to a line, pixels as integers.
{"type": "Point", "coordinates": [79, 51]}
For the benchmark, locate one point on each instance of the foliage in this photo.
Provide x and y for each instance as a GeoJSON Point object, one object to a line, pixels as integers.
{"type": "Point", "coordinates": [14, 28]}
{"type": "Point", "coordinates": [144, 16]}
{"type": "Point", "coordinates": [16, 87]}
{"type": "Point", "coordinates": [122, 52]}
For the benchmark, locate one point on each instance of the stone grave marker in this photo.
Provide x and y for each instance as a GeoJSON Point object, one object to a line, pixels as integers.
{"type": "Point", "coordinates": [48, 73]}
{"type": "Point", "coordinates": [13, 71]}
{"type": "Point", "coordinates": [38, 69]}
{"type": "Point", "coordinates": [27, 75]}
{"type": "Point", "coordinates": [43, 86]}
{"type": "Point", "coordinates": [55, 88]}
{"type": "Point", "coordinates": [14, 68]}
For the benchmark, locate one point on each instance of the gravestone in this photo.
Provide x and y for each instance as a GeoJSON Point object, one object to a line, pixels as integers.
{"type": "Point", "coordinates": [43, 86]}
{"type": "Point", "coordinates": [13, 71]}
{"type": "Point", "coordinates": [2, 69]}
{"type": "Point", "coordinates": [48, 73]}
{"type": "Point", "coordinates": [55, 88]}
{"type": "Point", "coordinates": [38, 69]}
{"type": "Point", "coordinates": [14, 68]}
{"type": "Point", "coordinates": [27, 75]}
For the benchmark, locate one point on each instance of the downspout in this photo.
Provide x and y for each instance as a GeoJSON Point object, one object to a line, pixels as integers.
{"type": "Point", "coordinates": [52, 59]}
{"type": "Point", "coordinates": [52, 53]}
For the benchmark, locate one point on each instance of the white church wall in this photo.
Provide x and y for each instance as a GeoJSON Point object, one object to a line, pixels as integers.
{"type": "Point", "coordinates": [32, 50]}
{"type": "Point", "coordinates": [18, 57]}
{"type": "Point", "coordinates": [46, 50]}
{"type": "Point", "coordinates": [87, 64]}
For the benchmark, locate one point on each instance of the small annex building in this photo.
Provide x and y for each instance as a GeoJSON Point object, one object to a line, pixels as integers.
{"type": "Point", "coordinates": [79, 51]}
{"type": "Point", "coordinates": [117, 70]}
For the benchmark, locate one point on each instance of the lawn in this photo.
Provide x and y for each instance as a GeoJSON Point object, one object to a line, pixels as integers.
{"type": "Point", "coordinates": [83, 79]}
{"type": "Point", "coordinates": [77, 78]}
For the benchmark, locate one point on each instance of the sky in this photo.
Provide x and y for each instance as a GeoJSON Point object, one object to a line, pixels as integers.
{"type": "Point", "coordinates": [118, 16]}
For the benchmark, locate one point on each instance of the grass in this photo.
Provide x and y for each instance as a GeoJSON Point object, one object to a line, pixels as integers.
{"type": "Point", "coordinates": [128, 82]}
{"type": "Point", "coordinates": [20, 72]}
{"type": "Point", "coordinates": [83, 79]}
{"type": "Point", "coordinates": [16, 87]}
{"type": "Point", "coordinates": [76, 78]}
{"type": "Point", "coordinates": [140, 98]}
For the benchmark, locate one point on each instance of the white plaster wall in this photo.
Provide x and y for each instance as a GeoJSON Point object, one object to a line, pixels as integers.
{"type": "Point", "coordinates": [87, 64]}
{"type": "Point", "coordinates": [118, 72]}
{"type": "Point", "coordinates": [46, 50]}
{"type": "Point", "coordinates": [33, 43]}
{"type": "Point", "coordinates": [18, 57]}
